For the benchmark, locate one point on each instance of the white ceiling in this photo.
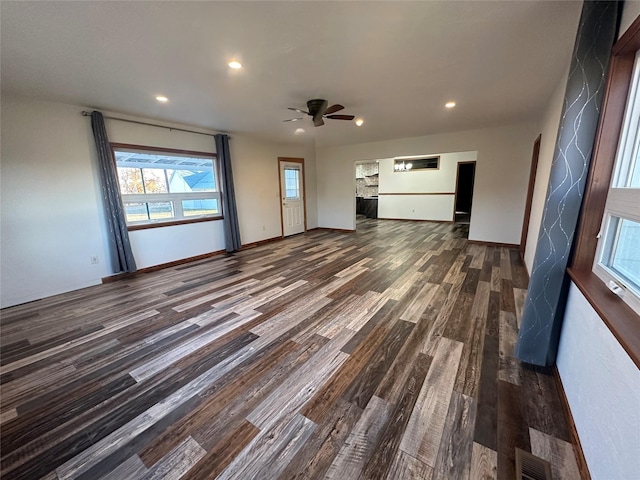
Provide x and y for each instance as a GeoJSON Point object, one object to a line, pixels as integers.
{"type": "Point", "coordinates": [393, 63]}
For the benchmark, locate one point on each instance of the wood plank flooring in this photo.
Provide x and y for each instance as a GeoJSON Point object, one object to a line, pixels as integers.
{"type": "Point", "coordinates": [384, 354]}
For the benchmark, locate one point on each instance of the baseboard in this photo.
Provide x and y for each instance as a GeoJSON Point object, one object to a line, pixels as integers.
{"type": "Point", "coordinates": [494, 244]}
{"type": "Point", "coordinates": [120, 276]}
{"type": "Point", "coordinates": [416, 220]}
{"type": "Point", "coordinates": [261, 242]}
{"type": "Point", "coordinates": [573, 432]}
{"type": "Point", "coordinates": [327, 229]}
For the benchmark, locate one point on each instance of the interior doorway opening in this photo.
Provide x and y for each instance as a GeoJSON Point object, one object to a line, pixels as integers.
{"type": "Point", "coordinates": [366, 183]}
{"type": "Point", "coordinates": [464, 192]}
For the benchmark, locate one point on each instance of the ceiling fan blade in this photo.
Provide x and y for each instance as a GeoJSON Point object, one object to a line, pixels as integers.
{"type": "Point", "coordinates": [292, 119]}
{"type": "Point", "coordinates": [340, 117]}
{"type": "Point", "coordinates": [298, 110]}
{"type": "Point", "coordinates": [333, 109]}
{"type": "Point", "coordinates": [318, 122]}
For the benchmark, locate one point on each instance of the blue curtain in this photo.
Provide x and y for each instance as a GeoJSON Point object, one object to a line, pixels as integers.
{"type": "Point", "coordinates": [229, 210]}
{"type": "Point", "coordinates": [119, 245]}
{"type": "Point", "coordinates": [544, 307]}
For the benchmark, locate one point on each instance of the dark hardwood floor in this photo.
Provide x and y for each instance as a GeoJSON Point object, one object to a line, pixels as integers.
{"type": "Point", "coordinates": [382, 354]}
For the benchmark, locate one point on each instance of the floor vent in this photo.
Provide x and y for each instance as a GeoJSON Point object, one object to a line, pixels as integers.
{"type": "Point", "coordinates": [530, 467]}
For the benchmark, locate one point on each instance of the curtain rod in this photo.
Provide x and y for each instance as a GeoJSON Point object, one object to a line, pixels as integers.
{"type": "Point", "coordinates": [88, 114]}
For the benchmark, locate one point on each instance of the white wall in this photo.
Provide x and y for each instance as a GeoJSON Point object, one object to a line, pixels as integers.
{"type": "Point", "coordinates": [52, 219]}
{"type": "Point", "coordinates": [603, 388]}
{"type": "Point", "coordinates": [630, 12]}
{"type": "Point", "coordinates": [420, 207]}
{"type": "Point", "coordinates": [51, 223]}
{"type": "Point", "coordinates": [502, 171]}
{"type": "Point", "coordinates": [255, 172]}
{"type": "Point", "coordinates": [549, 131]}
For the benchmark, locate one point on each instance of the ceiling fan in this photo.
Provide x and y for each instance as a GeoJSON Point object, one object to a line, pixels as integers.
{"type": "Point", "coordinates": [319, 109]}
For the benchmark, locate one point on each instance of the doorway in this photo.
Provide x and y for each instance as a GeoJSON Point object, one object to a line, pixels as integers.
{"type": "Point", "coordinates": [464, 192]}
{"type": "Point", "coordinates": [532, 183]}
{"type": "Point", "coordinates": [292, 196]}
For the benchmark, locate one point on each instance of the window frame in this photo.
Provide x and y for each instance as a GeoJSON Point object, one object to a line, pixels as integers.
{"type": "Point", "coordinates": [400, 161]}
{"type": "Point", "coordinates": [622, 201]}
{"type": "Point", "coordinates": [620, 318]}
{"type": "Point", "coordinates": [163, 197]}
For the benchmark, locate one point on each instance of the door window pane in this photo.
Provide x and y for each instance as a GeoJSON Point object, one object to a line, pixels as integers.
{"type": "Point", "coordinates": [292, 183]}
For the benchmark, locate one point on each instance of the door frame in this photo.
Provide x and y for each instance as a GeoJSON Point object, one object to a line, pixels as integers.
{"type": "Point", "coordinates": [304, 191]}
{"type": "Point", "coordinates": [473, 186]}
{"type": "Point", "coordinates": [532, 183]}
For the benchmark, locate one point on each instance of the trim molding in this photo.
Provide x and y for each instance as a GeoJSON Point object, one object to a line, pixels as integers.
{"type": "Point", "coordinates": [145, 226]}
{"type": "Point", "coordinates": [532, 183]}
{"type": "Point", "coordinates": [131, 146]}
{"type": "Point", "coordinates": [261, 242]}
{"type": "Point", "coordinates": [494, 244]}
{"type": "Point", "coordinates": [153, 268]}
{"type": "Point", "coordinates": [583, 468]}
{"type": "Point", "coordinates": [417, 193]}
{"type": "Point", "coordinates": [327, 229]}
{"type": "Point", "coordinates": [618, 317]}
{"type": "Point", "coordinates": [162, 266]}
{"type": "Point", "coordinates": [416, 220]}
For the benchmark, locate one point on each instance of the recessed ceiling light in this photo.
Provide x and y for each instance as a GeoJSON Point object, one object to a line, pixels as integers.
{"type": "Point", "coordinates": [162, 99]}
{"type": "Point", "coordinates": [359, 121]}
{"type": "Point", "coordinates": [450, 104]}
{"type": "Point", "coordinates": [299, 131]}
{"type": "Point", "coordinates": [235, 64]}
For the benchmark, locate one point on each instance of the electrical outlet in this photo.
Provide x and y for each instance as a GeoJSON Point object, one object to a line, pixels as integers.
{"type": "Point", "coordinates": [94, 259]}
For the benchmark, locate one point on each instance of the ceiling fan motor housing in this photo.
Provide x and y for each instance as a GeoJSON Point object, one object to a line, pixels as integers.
{"type": "Point", "coordinates": [317, 107]}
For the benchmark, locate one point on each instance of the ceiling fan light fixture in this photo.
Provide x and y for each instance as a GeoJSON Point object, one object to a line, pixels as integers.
{"type": "Point", "coordinates": [162, 99]}
{"type": "Point", "coordinates": [299, 131]}
{"type": "Point", "coordinates": [319, 109]}
{"type": "Point", "coordinates": [235, 64]}
{"type": "Point", "coordinates": [450, 104]}
{"type": "Point", "coordinates": [359, 122]}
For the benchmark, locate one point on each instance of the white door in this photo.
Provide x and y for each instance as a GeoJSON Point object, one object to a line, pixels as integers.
{"type": "Point", "coordinates": [292, 188]}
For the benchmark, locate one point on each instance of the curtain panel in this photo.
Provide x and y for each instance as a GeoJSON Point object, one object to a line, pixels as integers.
{"type": "Point", "coordinates": [229, 209]}
{"type": "Point", "coordinates": [118, 236]}
{"type": "Point", "coordinates": [548, 287]}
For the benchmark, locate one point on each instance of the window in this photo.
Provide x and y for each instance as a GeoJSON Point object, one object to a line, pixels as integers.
{"type": "Point", "coordinates": [617, 260]}
{"type": "Point", "coordinates": [166, 186]}
{"type": "Point", "coordinates": [410, 164]}
{"type": "Point", "coordinates": [615, 133]}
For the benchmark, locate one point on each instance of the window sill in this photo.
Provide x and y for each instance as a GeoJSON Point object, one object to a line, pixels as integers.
{"type": "Point", "coordinates": [621, 320]}
{"type": "Point", "coordinates": [145, 226]}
